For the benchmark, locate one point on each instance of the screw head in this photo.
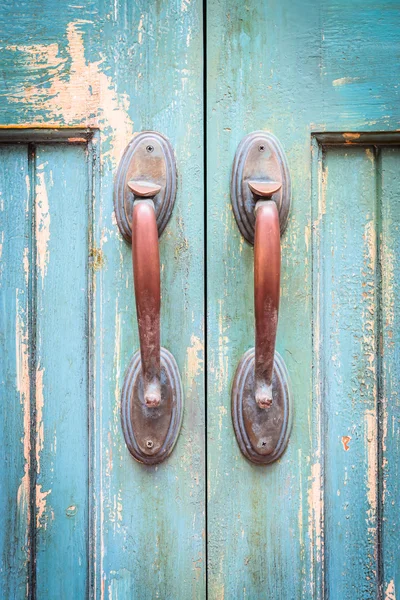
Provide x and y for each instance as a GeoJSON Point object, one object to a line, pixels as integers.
{"type": "Point", "coordinates": [149, 443]}
{"type": "Point", "coordinates": [261, 147]}
{"type": "Point", "coordinates": [149, 148]}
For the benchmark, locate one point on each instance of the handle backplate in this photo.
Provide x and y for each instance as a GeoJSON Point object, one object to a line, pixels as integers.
{"type": "Point", "coordinates": [148, 158]}
{"type": "Point", "coordinates": [259, 155]}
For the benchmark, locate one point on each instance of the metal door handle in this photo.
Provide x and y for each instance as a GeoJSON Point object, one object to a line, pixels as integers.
{"type": "Point", "coordinates": [146, 274]}
{"type": "Point", "coordinates": [151, 398]}
{"type": "Point", "coordinates": [267, 272]}
{"type": "Point", "coordinates": [261, 398]}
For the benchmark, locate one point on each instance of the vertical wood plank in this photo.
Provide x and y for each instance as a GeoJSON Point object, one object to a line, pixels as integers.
{"type": "Point", "coordinates": [14, 371]}
{"type": "Point", "coordinates": [390, 370]}
{"type": "Point", "coordinates": [151, 520]}
{"type": "Point", "coordinates": [259, 518]}
{"type": "Point", "coordinates": [346, 334]}
{"type": "Point", "coordinates": [61, 371]}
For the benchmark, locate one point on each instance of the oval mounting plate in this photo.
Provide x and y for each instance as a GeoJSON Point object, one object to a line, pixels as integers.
{"type": "Point", "coordinates": [149, 158]}
{"type": "Point", "coordinates": [151, 432]}
{"type": "Point", "coordinates": [262, 433]}
{"type": "Point", "coordinates": [259, 157]}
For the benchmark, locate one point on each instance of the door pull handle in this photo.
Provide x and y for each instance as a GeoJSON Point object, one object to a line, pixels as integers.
{"type": "Point", "coordinates": [146, 276]}
{"type": "Point", "coordinates": [261, 395]}
{"type": "Point", "coordinates": [151, 398]}
{"type": "Point", "coordinates": [267, 274]}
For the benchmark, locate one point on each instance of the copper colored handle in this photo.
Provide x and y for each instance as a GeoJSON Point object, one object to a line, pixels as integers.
{"type": "Point", "coordinates": [146, 273]}
{"type": "Point", "coordinates": [267, 271]}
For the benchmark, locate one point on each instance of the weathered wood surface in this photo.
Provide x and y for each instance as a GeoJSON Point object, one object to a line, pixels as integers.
{"type": "Point", "coordinates": [14, 371]}
{"type": "Point", "coordinates": [119, 68]}
{"type": "Point", "coordinates": [294, 68]}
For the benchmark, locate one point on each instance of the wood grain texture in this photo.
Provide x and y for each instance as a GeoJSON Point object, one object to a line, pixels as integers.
{"type": "Point", "coordinates": [121, 67]}
{"type": "Point", "coordinates": [389, 168]}
{"type": "Point", "coordinates": [61, 370]}
{"type": "Point", "coordinates": [346, 335]}
{"type": "Point", "coordinates": [14, 371]}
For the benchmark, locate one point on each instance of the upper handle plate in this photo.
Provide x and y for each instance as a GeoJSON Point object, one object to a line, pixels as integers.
{"type": "Point", "coordinates": [259, 159]}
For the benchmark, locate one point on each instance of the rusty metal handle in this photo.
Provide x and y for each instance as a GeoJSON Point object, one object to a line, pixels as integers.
{"type": "Point", "coordinates": [267, 271]}
{"type": "Point", "coordinates": [146, 273]}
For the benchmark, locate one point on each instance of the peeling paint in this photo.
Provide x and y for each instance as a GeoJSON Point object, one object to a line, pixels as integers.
{"type": "Point", "coordinates": [390, 592]}
{"type": "Point", "coordinates": [98, 259]}
{"type": "Point", "coordinates": [351, 136]}
{"type": "Point", "coordinates": [194, 358]}
{"type": "Point", "coordinates": [41, 507]}
{"type": "Point", "coordinates": [371, 443]}
{"type": "Point", "coordinates": [42, 220]}
{"type": "Point", "coordinates": [315, 508]}
{"type": "Point", "coordinates": [345, 441]}
{"type": "Point", "coordinates": [23, 388]}
{"type": "Point", "coordinates": [344, 81]}
{"type": "Point", "coordinates": [79, 92]}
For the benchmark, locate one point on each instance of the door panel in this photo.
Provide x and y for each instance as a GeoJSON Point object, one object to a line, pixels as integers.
{"type": "Point", "coordinates": [14, 369]}
{"type": "Point", "coordinates": [390, 367]}
{"type": "Point", "coordinates": [354, 361]}
{"type": "Point", "coordinates": [46, 215]}
{"type": "Point", "coordinates": [116, 68]}
{"type": "Point", "coordinates": [295, 69]}
{"type": "Point", "coordinates": [60, 346]}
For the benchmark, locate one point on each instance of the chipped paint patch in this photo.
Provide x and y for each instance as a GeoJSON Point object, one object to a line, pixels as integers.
{"type": "Point", "coordinates": [344, 81]}
{"type": "Point", "coordinates": [371, 435]}
{"type": "Point", "coordinates": [390, 592]}
{"type": "Point", "coordinates": [315, 515]}
{"type": "Point", "coordinates": [41, 507]}
{"type": "Point", "coordinates": [79, 93]}
{"type": "Point", "coordinates": [194, 358]}
{"type": "Point", "coordinates": [23, 388]}
{"type": "Point", "coordinates": [39, 415]}
{"type": "Point", "coordinates": [351, 136]}
{"type": "Point", "coordinates": [345, 441]}
{"type": "Point", "coordinates": [223, 343]}
{"type": "Point", "coordinates": [42, 219]}
{"type": "Point", "coordinates": [97, 258]}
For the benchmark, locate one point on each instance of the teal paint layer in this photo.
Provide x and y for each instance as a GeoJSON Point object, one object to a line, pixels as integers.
{"type": "Point", "coordinates": [45, 349]}
{"type": "Point", "coordinates": [390, 369]}
{"type": "Point", "coordinates": [346, 335]}
{"type": "Point", "coordinates": [292, 69]}
{"type": "Point", "coordinates": [122, 67]}
{"type": "Point", "coordinates": [14, 372]}
{"type": "Point", "coordinates": [61, 357]}
{"type": "Point", "coordinates": [356, 366]}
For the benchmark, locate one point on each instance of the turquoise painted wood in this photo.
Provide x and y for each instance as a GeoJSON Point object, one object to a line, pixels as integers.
{"type": "Point", "coordinates": [82, 519]}
{"type": "Point", "coordinates": [61, 367]}
{"type": "Point", "coordinates": [390, 365]}
{"type": "Point", "coordinates": [321, 522]}
{"type": "Point", "coordinates": [14, 371]}
{"type": "Point", "coordinates": [93, 522]}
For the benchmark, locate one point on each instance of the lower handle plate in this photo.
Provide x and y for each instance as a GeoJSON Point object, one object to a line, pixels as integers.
{"type": "Point", "coordinates": [262, 434]}
{"type": "Point", "coordinates": [151, 432]}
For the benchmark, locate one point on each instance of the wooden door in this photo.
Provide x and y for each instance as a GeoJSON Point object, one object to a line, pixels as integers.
{"type": "Point", "coordinates": [323, 521]}
{"type": "Point", "coordinates": [81, 518]}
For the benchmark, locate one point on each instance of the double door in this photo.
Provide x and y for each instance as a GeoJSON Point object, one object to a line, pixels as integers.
{"type": "Point", "coordinates": [81, 517]}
